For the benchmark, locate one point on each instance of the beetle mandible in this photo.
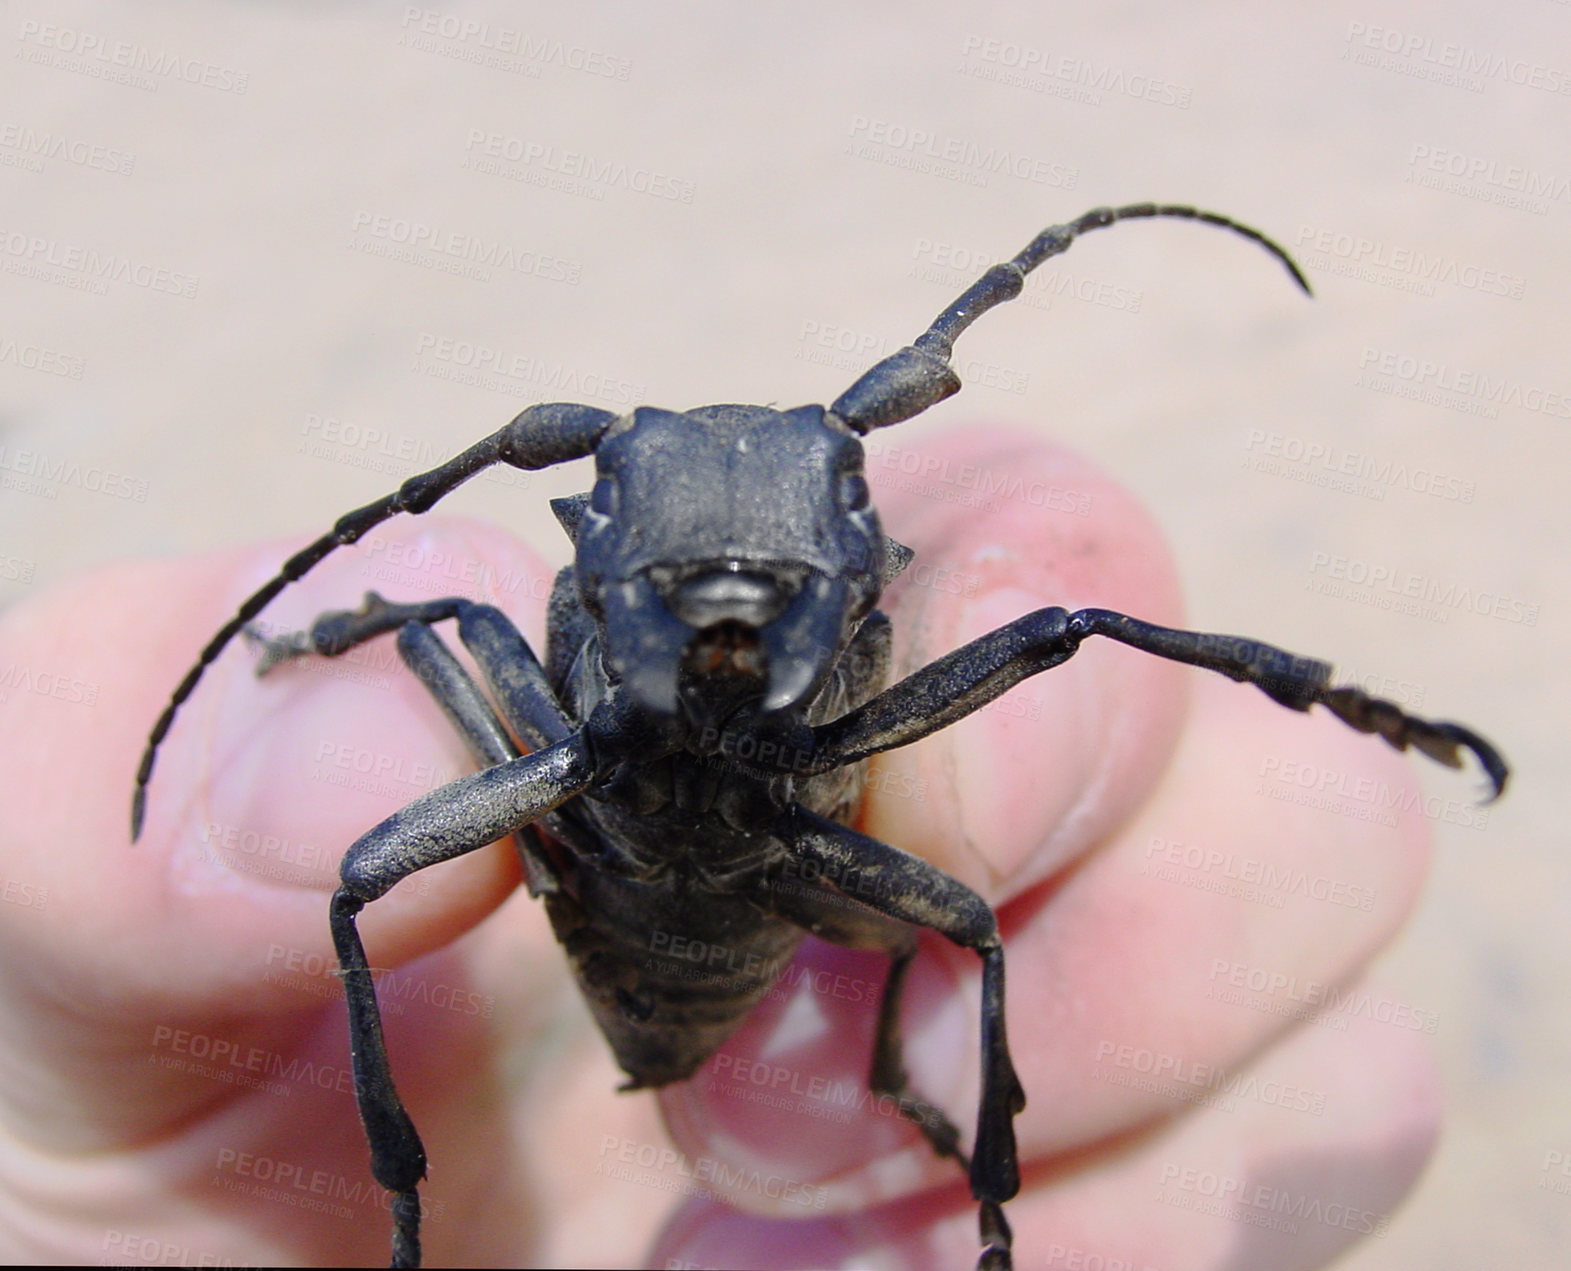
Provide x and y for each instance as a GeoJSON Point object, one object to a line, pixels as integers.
{"type": "Point", "coordinates": [722, 597]}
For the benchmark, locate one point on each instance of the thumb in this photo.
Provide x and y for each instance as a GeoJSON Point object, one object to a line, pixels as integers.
{"type": "Point", "coordinates": [219, 912]}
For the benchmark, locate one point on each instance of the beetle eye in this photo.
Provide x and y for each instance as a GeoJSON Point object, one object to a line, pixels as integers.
{"type": "Point", "coordinates": [602, 498]}
{"type": "Point", "coordinates": [853, 491]}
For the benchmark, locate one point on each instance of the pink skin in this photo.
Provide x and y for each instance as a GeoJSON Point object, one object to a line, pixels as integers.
{"type": "Point", "coordinates": [146, 992]}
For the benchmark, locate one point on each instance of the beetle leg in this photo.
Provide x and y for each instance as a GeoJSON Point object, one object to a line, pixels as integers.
{"type": "Point", "coordinates": [508, 663]}
{"type": "Point", "coordinates": [536, 438]}
{"type": "Point", "coordinates": [903, 886]}
{"type": "Point", "coordinates": [462, 702]}
{"type": "Point", "coordinates": [515, 675]}
{"type": "Point", "coordinates": [843, 920]}
{"type": "Point", "coordinates": [457, 818]}
{"type": "Point", "coordinates": [337, 631]}
{"type": "Point", "coordinates": [889, 1074]}
{"type": "Point", "coordinates": [976, 673]}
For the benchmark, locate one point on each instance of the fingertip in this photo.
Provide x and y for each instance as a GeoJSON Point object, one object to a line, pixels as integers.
{"type": "Point", "coordinates": [931, 1231]}
{"type": "Point", "coordinates": [260, 785]}
{"type": "Point", "coordinates": [282, 773]}
{"type": "Point", "coordinates": [788, 1094]}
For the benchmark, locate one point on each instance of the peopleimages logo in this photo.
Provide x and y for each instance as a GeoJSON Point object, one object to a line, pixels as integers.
{"type": "Point", "coordinates": [1278, 993]}
{"type": "Point", "coordinates": [1446, 62]}
{"type": "Point", "coordinates": [1334, 467]}
{"type": "Point", "coordinates": [574, 171]}
{"type": "Point", "coordinates": [1375, 583]}
{"type": "Point", "coordinates": [36, 146]}
{"type": "Point", "coordinates": [1486, 180]}
{"type": "Point", "coordinates": [1406, 268]}
{"type": "Point", "coordinates": [953, 265]}
{"type": "Point", "coordinates": [1249, 877]}
{"type": "Point", "coordinates": [1360, 795]}
{"type": "Point", "coordinates": [956, 157]}
{"type": "Point", "coordinates": [86, 268]}
{"type": "Point", "coordinates": [89, 53]}
{"type": "Point", "coordinates": [1445, 384]}
{"type": "Point", "coordinates": [1262, 1204]}
{"type": "Point", "coordinates": [703, 1177]}
{"type": "Point", "coordinates": [505, 48]}
{"type": "Point", "coordinates": [1064, 75]}
{"type": "Point", "coordinates": [45, 361]}
{"type": "Point", "coordinates": [970, 483]}
{"type": "Point", "coordinates": [453, 251]}
{"type": "Point", "coordinates": [1173, 1076]}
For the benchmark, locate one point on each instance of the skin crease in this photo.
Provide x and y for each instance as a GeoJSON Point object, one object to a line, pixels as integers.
{"type": "Point", "coordinates": [127, 965]}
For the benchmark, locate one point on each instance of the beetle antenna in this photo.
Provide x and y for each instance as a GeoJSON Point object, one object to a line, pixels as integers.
{"type": "Point", "coordinates": [918, 376]}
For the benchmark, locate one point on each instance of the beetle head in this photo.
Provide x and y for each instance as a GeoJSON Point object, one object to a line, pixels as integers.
{"type": "Point", "coordinates": [726, 554]}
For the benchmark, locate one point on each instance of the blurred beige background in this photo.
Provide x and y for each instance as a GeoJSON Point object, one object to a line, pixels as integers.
{"type": "Point", "coordinates": [214, 329]}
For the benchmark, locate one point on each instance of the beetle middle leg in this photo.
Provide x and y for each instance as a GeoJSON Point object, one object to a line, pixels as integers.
{"type": "Point", "coordinates": [509, 664]}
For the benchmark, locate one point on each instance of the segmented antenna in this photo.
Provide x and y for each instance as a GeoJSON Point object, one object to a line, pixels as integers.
{"type": "Point", "coordinates": [910, 380]}
{"type": "Point", "coordinates": [999, 283]}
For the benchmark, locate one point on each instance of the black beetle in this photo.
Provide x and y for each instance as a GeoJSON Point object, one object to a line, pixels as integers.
{"type": "Point", "coordinates": [722, 600]}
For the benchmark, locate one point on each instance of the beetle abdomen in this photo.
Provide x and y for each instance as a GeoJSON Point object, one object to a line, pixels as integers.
{"type": "Point", "coordinates": [667, 993]}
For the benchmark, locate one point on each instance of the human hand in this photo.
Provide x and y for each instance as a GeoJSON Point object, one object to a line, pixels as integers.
{"type": "Point", "coordinates": [1172, 921]}
{"type": "Point", "coordinates": [174, 1058]}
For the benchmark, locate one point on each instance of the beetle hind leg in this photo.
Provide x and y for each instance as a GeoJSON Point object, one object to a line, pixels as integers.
{"type": "Point", "coordinates": [882, 895]}
{"type": "Point", "coordinates": [889, 1077]}
{"type": "Point", "coordinates": [846, 922]}
{"type": "Point", "coordinates": [992, 1171]}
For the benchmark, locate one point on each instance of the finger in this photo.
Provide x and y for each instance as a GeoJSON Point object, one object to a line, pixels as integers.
{"type": "Point", "coordinates": [1153, 949]}
{"type": "Point", "coordinates": [219, 913]}
{"type": "Point", "coordinates": [1109, 964]}
{"type": "Point", "coordinates": [1004, 523]}
{"type": "Point", "coordinates": [1196, 929]}
{"type": "Point", "coordinates": [1310, 1149]}
{"type": "Point", "coordinates": [788, 1095]}
{"type": "Point", "coordinates": [1249, 1182]}
{"type": "Point", "coordinates": [1130, 967]}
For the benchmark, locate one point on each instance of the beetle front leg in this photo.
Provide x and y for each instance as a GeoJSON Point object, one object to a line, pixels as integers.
{"type": "Point", "coordinates": [976, 673]}
{"type": "Point", "coordinates": [509, 664]}
{"type": "Point", "coordinates": [397, 1155]}
{"type": "Point", "coordinates": [903, 886]}
{"type": "Point", "coordinates": [505, 657]}
{"type": "Point", "coordinates": [457, 818]}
